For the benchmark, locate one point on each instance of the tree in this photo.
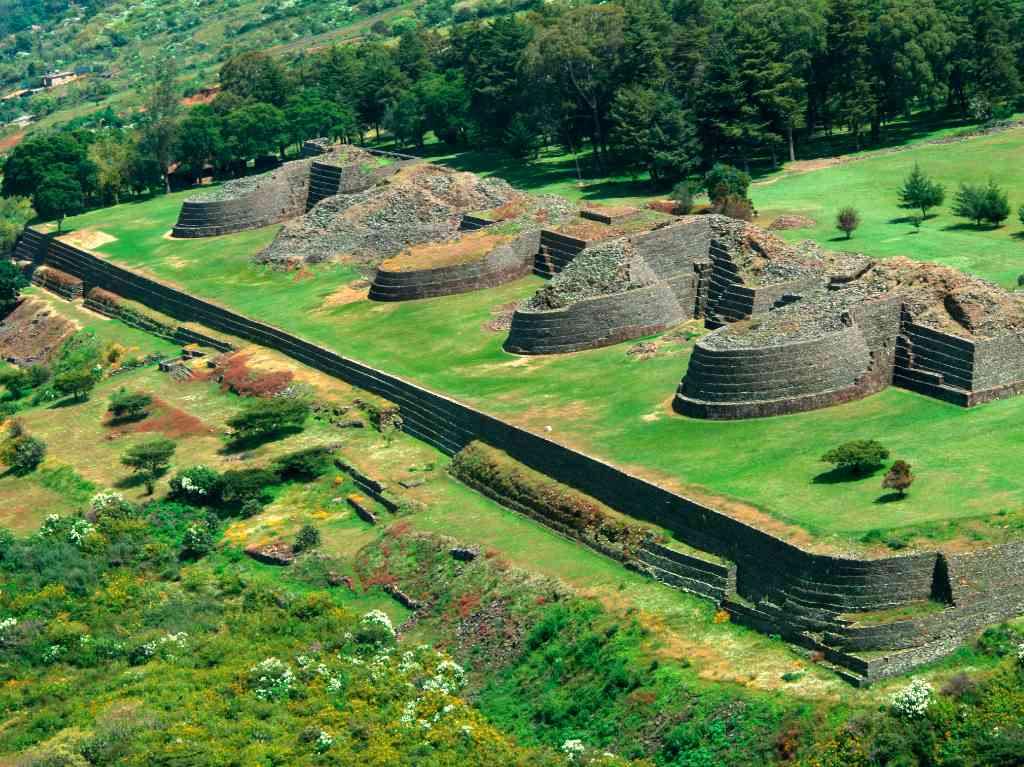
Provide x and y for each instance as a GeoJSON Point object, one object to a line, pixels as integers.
{"type": "Point", "coordinates": [847, 220]}
{"type": "Point", "coordinates": [921, 193]}
{"type": "Point", "coordinates": [406, 119]}
{"type": "Point", "coordinates": [255, 76]}
{"type": "Point", "coordinates": [200, 140]}
{"type": "Point", "coordinates": [77, 383]}
{"type": "Point", "coordinates": [651, 130]}
{"type": "Point", "coordinates": [44, 157]}
{"type": "Point", "coordinates": [12, 281]}
{"type": "Point", "coordinates": [150, 459]}
{"type": "Point", "coordinates": [982, 204]}
{"type": "Point", "coordinates": [58, 196]}
{"type": "Point", "coordinates": [255, 130]}
{"type": "Point", "coordinates": [159, 124]}
{"type": "Point", "coordinates": [114, 155]}
{"type": "Point", "coordinates": [15, 212]}
{"type": "Point", "coordinates": [128, 406]}
{"type": "Point", "coordinates": [265, 417]}
{"type": "Point", "coordinates": [899, 478]}
{"type": "Point", "coordinates": [307, 538]}
{"type": "Point", "coordinates": [969, 203]}
{"type": "Point", "coordinates": [22, 453]}
{"type": "Point", "coordinates": [858, 456]}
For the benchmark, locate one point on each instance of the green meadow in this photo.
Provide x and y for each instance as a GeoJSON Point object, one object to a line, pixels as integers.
{"type": "Point", "coordinates": [617, 406]}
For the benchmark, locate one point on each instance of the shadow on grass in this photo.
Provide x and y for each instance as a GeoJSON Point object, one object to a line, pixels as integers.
{"type": "Point", "coordinates": [126, 419]}
{"type": "Point", "coordinates": [889, 498]}
{"type": "Point", "coordinates": [838, 476]}
{"type": "Point", "coordinates": [68, 402]}
{"type": "Point", "coordinates": [132, 480]}
{"type": "Point", "coordinates": [250, 443]}
{"type": "Point", "coordinates": [967, 227]}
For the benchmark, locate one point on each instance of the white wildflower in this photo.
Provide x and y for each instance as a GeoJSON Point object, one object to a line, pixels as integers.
{"type": "Point", "coordinates": [913, 700]}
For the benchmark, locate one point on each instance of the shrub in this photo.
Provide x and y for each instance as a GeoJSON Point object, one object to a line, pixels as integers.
{"type": "Point", "coordinates": [858, 456]}
{"type": "Point", "coordinates": [724, 181]}
{"type": "Point", "coordinates": [913, 700]}
{"type": "Point", "coordinates": [734, 206]}
{"type": "Point", "coordinates": [241, 485]}
{"type": "Point", "coordinates": [251, 507]}
{"type": "Point", "coordinates": [308, 538]}
{"type": "Point", "coordinates": [682, 196]}
{"type": "Point", "coordinates": [128, 406]}
{"type": "Point", "coordinates": [899, 478]}
{"type": "Point", "coordinates": [271, 679]}
{"type": "Point", "coordinates": [196, 485]}
{"type": "Point", "coordinates": [847, 220]}
{"type": "Point", "coordinates": [375, 628]}
{"type": "Point", "coordinates": [197, 541]}
{"type": "Point", "coordinates": [22, 454]}
{"type": "Point", "coordinates": [263, 418]}
{"type": "Point", "coordinates": [307, 464]}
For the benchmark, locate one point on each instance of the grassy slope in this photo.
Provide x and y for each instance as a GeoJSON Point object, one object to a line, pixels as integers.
{"type": "Point", "coordinates": [616, 407]}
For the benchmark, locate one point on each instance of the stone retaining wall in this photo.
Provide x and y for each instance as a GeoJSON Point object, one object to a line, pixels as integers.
{"type": "Point", "coordinates": [504, 263]}
{"type": "Point", "coordinates": [769, 570]}
{"type": "Point", "coordinates": [599, 321]}
{"type": "Point", "coordinates": [281, 194]}
{"type": "Point", "coordinates": [556, 251]}
{"type": "Point", "coordinates": [59, 282]}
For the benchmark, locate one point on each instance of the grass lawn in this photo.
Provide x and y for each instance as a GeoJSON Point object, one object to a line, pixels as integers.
{"type": "Point", "coordinates": [872, 184]}
{"type": "Point", "coordinates": [617, 407]}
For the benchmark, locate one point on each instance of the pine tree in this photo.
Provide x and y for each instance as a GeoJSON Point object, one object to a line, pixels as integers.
{"type": "Point", "coordinates": [921, 193]}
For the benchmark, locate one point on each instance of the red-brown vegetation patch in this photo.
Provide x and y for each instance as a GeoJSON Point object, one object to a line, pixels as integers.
{"type": "Point", "coordinates": [33, 332]}
{"type": "Point", "coordinates": [663, 206]}
{"type": "Point", "coordinates": [9, 142]}
{"type": "Point", "coordinates": [164, 419]}
{"type": "Point", "coordinates": [235, 375]}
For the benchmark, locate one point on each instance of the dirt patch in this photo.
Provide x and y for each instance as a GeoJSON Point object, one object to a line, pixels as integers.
{"type": "Point", "coordinates": [33, 333]}
{"type": "Point", "coordinates": [9, 142]}
{"type": "Point", "coordinates": [236, 373]}
{"type": "Point", "coordinates": [348, 294]}
{"type": "Point", "coordinates": [87, 239]}
{"type": "Point", "coordinates": [792, 222]}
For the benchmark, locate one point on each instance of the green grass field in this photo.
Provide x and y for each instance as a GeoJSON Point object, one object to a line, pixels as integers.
{"type": "Point", "coordinates": [617, 407]}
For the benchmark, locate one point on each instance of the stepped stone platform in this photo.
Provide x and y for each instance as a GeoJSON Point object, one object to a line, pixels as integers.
{"type": "Point", "coordinates": [399, 279]}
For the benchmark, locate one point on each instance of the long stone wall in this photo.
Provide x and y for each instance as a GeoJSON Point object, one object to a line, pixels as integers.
{"type": "Point", "coordinates": [280, 194]}
{"type": "Point", "coordinates": [781, 583]}
{"type": "Point", "coordinates": [505, 263]}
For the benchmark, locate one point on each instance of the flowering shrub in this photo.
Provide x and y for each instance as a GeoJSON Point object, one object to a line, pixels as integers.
{"type": "Point", "coordinates": [196, 485]}
{"type": "Point", "coordinates": [375, 628]}
{"type": "Point", "coordinates": [75, 529]}
{"type": "Point", "coordinates": [1020, 655]}
{"type": "Point", "coordinates": [573, 748]}
{"type": "Point", "coordinates": [198, 540]}
{"type": "Point", "coordinates": [105, 500]}
{"type": "Point", "coordinates": [272, 679]}
{"type": "Point", "coordinates": [7, 627]}
{"type": "Point", "coordinates": [913, 700]}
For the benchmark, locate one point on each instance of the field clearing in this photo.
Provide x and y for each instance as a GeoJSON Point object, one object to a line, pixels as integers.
{"type": "Point", "coordinates": [617, 406]}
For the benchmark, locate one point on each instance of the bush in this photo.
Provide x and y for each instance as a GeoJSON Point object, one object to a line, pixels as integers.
{"type": "Point", "coordinates": [22, 454]}
{"type": "Point", "coordinates": [196, 485]}
{"type": "Point", "coordinates": [197, 541]}
{"type": "Point", "coordinates": [305, 464]}
{"type": "Point", "coordinates": [847, 220]}
{"type": "Point", "coordinates": [726, 181]}
{"type": "Point", "coordinates": [128, 406]}
{"type": "Point", "coordinates": [734, 207]}
{"type": "Point", "coordinates": [858, 456]}
{"type": "Point", "coordinates": [308, 538]}
{"type": "Point", "coordinates": [899, 478]}
{"type": "Point", "coordinates": [263, 418]}
{"type": "Point", "coordinates": [921, 193]}
{"type": "Point", "coordinates": [682, 196]}
{"type": "Point", "coordinates": [241, 485]}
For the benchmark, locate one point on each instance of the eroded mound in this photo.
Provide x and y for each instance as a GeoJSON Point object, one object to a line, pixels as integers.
{"type": "Point", "coordinates": [33, 333]}
{"type": "Point", "coordinates": [603, 269]}
{"type": "Point", "coordinates": [421, 203]}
